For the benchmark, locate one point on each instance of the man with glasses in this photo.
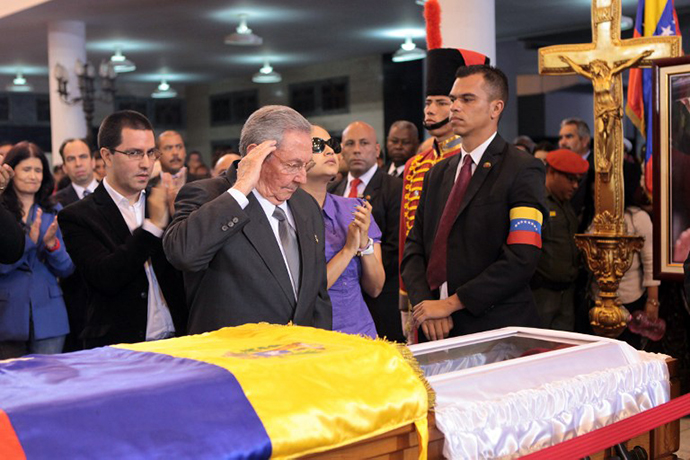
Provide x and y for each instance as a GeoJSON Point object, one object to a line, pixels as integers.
{"type": "Point", "coordinates": [114, 238]}
{"type": "Point", "coordinates": [250, 242]}
{"type": "Point", "coordinates": [553, 284]}
{"type": "Point", "coordinates": [365, 179]}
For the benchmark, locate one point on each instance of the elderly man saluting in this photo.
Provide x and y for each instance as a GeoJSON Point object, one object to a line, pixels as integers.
{"type": "Point", "coordinates": [250, 241]}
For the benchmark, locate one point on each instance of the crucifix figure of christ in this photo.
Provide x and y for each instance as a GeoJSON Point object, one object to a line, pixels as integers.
{"type": "Point", "coordinates": [609, 249]}
{"type": "Point", "coordinates": [608, 110]}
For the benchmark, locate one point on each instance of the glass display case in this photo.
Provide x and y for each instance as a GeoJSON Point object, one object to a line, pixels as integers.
{"type": "Point", "coordinates": [511, 391]}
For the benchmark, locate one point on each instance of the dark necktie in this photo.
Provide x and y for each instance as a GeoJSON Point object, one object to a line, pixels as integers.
{"type": "Point", "coordinates": [436, 270]}
{"type": "Point", "coordinates": [288, 239]}
{"type": "Point", "coordinates": [353, 188]}
{"type": "Point", "coordinates": [86, 193]}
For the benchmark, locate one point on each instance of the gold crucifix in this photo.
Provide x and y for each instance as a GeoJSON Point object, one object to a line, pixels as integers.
{"type": "Point", "coordinates": [602, 62]}
{"type": "Point", "coordinates": [609, 250]}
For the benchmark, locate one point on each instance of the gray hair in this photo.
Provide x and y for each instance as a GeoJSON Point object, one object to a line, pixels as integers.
{"type": "Point", "coordinates": [404, 124]}
{"type": "Point", "coordinates": [582, 127]}
{"type": "Point", "coordinates": [270, 123]}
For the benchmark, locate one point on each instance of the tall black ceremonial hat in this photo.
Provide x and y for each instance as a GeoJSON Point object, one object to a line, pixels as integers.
{"type": "Point", "coordinates": [441, 65]}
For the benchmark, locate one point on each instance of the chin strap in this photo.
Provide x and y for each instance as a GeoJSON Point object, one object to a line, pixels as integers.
{"type": "Point", "coordinates": [431, 127]}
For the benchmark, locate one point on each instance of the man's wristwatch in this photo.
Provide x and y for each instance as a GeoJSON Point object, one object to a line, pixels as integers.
{"type": "Point", "coordinates": [368, 249]}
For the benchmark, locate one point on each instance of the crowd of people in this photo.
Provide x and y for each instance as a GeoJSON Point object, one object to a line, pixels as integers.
{"type": "Point", "coordinates": [462, 233]}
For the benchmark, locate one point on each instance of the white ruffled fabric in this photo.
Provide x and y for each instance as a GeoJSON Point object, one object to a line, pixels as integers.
{"type": "Point", "coordinates": [532, 419]}
{"type": "Point", "coordinates": [499, 352]}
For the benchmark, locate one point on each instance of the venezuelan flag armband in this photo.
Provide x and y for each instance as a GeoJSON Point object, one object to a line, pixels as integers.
{"type": "Point", "coordinates": [525, 226]}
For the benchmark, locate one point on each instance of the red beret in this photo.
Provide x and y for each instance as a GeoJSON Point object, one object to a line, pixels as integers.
{"type": "Point", "coordinates": [567, 161]}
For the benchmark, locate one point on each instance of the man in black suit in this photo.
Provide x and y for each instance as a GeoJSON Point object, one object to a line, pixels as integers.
{"type": "Point", "coordinates": [250, 242]}
{"type": "Point", "coordinates": [384, 192]}
{"type": "Point", "coordinates": [78, 164]}
{"type": "Point", "coordinates": [476, 238]}
{"type": "Point", "coordinates": [401, 145]}
{"type": "Point", "coordinates": [114, 238]}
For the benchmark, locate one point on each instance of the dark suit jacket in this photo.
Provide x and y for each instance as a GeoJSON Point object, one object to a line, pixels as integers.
{"type": "Point", "coordinates": [74, 287]}
{"type": "Point", "coordinates": [384, 192]}
{"type": "Point", "coordinates": [11, 237]}
{"type": "Point", "coordinates": [111, 260]}
{"type": "Point", "coordinates": [490, 277]}
{"type": "Point", "coordinates": [583, 198]}
{"type": "Point", "coordinates": [66, 196]}
{"type": "Point", "coordinates": [233, 268]}
{"type": "Point", "coordinates": [686, 270]}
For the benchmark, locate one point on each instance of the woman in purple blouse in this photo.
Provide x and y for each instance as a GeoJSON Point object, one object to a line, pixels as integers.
{"type": "Point", "coordinates": [353, 242]}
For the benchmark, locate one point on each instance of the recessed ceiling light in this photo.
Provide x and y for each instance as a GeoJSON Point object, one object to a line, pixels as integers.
{"type": "Point", "coordinates": [120, 63]}
{"type": "Point", "coordinates": [164, 91]}
{"type": "Point", "coordinates": [19, 84]}
{"type": "Point", "coordinates": [627, 23]}
{"type": "Point", "coordinates": [408, 52]}
{"type": "Point", "coordinates": [266, 74]}
{"type": "Point", "coordinates": [243, 35]}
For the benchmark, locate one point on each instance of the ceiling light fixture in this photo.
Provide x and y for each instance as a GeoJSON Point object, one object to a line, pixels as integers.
{"type": "Point", "coordinates": [243, 35]}
{"type": "Point", "coordinates": [408, 52]}
{"type": "Point", "coordinates": [19, 84]}
{"type": "Point", "coordinates": [120, 63]}
{"type": "Point", "coordinates": [164, 91]}
{"type": "Point", "coordinates": [266, 74]}
{"type": "Point", "coordinates": [627, 23]}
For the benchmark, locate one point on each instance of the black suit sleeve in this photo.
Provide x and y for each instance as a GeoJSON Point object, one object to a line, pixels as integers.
{"type": "Point", "coordinates": [391, 230]}
{"type": "Point", "coordinates": [323, 309]}
{"type": "Point", "coordinates": [686, 269]}
{"type": "Point", "coordinates": [517, 263]}
{"type": "Point", "coordinates": [413, 263]}
{"type": "Point", "coordinates": [104, 268]}
{"type": "Point", "coordinates": [204, 220]}
{"type": "Point", "coordinates": [11, 238]}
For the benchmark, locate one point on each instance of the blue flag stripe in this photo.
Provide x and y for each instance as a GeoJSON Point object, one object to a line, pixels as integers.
{"type": "Point", "coordinates": [114, 403]}
{"type": "Point", "coordinates": [529, 225]}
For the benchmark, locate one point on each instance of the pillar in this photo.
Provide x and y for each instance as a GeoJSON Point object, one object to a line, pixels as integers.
{"type": "Point", "coordinates": [66, 44]}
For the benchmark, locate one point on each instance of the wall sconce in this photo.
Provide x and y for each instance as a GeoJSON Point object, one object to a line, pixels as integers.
{"type": "Point", "coordinates": [86, 76]}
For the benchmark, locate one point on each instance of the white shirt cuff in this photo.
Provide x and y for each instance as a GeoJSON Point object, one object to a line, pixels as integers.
{"type": "Point", "coordinates": [240, 197]}
{"type": "Point", "coordinates": [152, 228]}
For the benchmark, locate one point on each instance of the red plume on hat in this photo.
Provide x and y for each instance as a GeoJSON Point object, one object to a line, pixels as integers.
{"type": "Point", "coordinates": [432, 16]}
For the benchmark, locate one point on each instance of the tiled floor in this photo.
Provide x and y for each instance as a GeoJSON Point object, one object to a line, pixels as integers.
{"type": "Point", "coordinates": [684, 452]}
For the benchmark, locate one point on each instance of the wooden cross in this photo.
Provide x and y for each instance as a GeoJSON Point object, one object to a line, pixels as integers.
{"type": "Point", "coordinates": [602, 62]}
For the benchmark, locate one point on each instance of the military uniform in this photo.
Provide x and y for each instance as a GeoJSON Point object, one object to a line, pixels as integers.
{"type": "Point", "coordinates": [413, 177]}
{"type": "Point", "coordinates": [553, 284]}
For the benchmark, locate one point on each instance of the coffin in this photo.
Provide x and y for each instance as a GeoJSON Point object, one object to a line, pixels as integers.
{"type": "Point", "coordinates": [477, 370]}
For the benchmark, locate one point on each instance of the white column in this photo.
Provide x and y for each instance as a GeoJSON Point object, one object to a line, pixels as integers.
{"type": "Point", "coordinates": [66, 44]}
{"type": "Point", "coordinates": [469, 24]}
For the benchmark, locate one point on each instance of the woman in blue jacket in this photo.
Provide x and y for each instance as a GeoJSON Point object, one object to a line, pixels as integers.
{"type": "Point", "coordinates": [33, 318]}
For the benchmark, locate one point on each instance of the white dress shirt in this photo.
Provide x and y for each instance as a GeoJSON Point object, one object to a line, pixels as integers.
{"type": "Point", "coordinates": [365, 178]}
{"type": "Point", "coordinates": [268, 209]}
{"type": "Point", "coordinates": [396, 170]}
{"type": "Point", "coordinates": [80, 190]}
{"type": "Point", "coordinates": [476, 156]}
{"type": "Point", "coordinates": [159, 324]}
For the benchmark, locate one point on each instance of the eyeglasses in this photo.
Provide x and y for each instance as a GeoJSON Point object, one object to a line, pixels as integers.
{"type": "Point", "coordinates": [137, 154]}
{"type": "Point", "coordinates": [293, 167]}
{"type": "Point", "coordinates": [318, 145]}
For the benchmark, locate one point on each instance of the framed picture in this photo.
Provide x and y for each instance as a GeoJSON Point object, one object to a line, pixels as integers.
{"type": "Point", "coordinates": [671, 156]}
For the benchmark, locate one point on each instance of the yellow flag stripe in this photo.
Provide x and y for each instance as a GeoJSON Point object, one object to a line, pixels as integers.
{"type": "Point", "coordinates": [344, 388]}
{"type": "Point", "coordinates": [524, 212]}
